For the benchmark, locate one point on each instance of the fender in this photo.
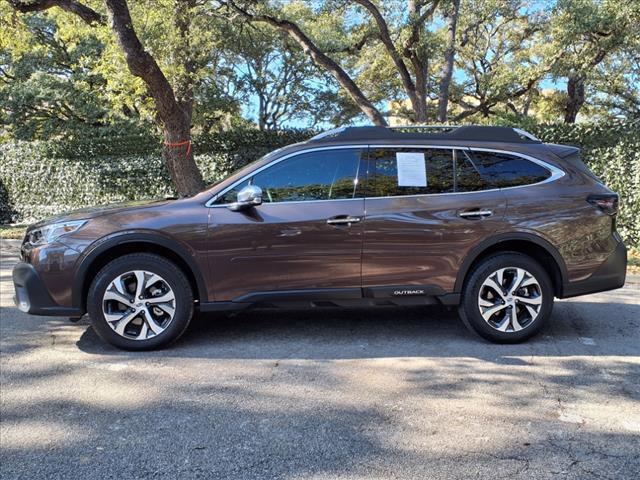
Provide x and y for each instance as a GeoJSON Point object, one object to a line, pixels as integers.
{"type": "Point", "coordinates": [133, 236]}
{"type": "Point", "coordinates": [480, 248]}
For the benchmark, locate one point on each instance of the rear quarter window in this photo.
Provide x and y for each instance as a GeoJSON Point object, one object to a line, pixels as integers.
{"type": "Point", "coordinates": [502, 170]}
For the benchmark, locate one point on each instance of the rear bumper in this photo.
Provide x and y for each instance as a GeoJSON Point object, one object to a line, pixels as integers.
{"type": "Point", "coordinates": [32, 295]}
{"type": "Point", "coordinates": [610, 275]}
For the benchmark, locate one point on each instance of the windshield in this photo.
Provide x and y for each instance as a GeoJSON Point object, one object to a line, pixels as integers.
{"type": "Point", "coordinates": [237, 171]}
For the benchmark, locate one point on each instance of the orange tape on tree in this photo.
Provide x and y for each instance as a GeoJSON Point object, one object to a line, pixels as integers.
{"type": "Point", "coordinates": [180, 144]}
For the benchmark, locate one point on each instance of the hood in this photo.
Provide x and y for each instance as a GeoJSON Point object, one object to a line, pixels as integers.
{"type": "Point", "coordinates": [93, 212]}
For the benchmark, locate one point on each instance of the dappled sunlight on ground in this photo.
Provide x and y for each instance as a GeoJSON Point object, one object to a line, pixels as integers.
{"type": "Point", "coordinates": [327, 394]}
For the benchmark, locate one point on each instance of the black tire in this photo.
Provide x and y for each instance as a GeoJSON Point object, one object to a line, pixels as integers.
{"type": "Point", "coordinates": [170, 273]}
{"type": "Point", "coordinates": [469, 308]}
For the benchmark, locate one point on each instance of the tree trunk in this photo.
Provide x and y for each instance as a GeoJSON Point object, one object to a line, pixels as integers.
{"type": "Point", "coordinates": [419, 99]}
{"type": "Point", "coordinates": [527, 104]}
{"type": "Point", "coordinates": [176, 121]}
{"type": "Point", "coordinates": [178, 157]}
{"type": "Point", "coordinates": [447, 69]}
{"type": "Point", "coordinates": [262, 113]}
{"type": "Point", "coordinates": [576, 98]}
{"type": "Point", "coordinates": [173, 112]}
{"type": "Point", "coordinates": [183, 56]}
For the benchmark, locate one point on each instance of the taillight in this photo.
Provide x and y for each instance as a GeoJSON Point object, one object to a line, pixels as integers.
{"type": "Point", "coordinates": [607, 202]}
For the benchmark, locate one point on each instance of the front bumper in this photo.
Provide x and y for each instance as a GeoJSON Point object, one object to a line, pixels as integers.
{"type": "Point", "coordinates": [32, 295]}
{"type": "Point", "coordinates": [610, 275]}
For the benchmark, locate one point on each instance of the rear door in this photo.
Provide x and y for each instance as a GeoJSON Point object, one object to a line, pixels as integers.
{"type": "Point", "coordinates": [426, 207]}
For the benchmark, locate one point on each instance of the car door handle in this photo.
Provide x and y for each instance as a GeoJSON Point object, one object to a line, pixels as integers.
{"type": "Point", "coordinates": [343, 220]}
{"type": "Point", "coordinates": [476, 213]}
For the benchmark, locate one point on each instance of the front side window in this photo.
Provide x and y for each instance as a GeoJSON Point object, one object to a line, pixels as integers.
{"type": "Point", "coordinates": [501, 170]}
{"type": "Point", "coordinates": [410, 171]}
{"type": "Point", "coordinates": [320, 175]}
{"type": "Point", "coordinates": [231, 195]}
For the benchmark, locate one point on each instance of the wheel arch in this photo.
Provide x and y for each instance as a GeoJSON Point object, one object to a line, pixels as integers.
{"type": "Point", "coordinates": [135, 242]}
{"type": "Point", "coordinates": [526, 243]}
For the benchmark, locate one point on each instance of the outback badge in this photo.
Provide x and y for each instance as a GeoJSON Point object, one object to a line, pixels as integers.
{"type": "Point", "coordinates": [403, 292]}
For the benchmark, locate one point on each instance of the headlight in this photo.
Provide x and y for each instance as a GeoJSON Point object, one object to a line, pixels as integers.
{"type": "Point", "coordinates": [49, 233]}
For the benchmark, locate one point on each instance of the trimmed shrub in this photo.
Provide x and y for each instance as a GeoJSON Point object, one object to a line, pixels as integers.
{"type": "Point", "coordinates": [39, 184]}
{"type": "Point", "coordinates": [38, 179]}
{"type": "Point", "coordinates": [612, 152]}
{"type": "Point", "coordinates": [45, 178]}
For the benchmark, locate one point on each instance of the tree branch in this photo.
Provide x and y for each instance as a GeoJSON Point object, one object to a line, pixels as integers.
{"type": "Point", "coordinates": [87, 14]}
{"type": "Point", "coordinates": [141, 63]}
{"type": "Point", "coordinates": [449, 58]}
{"type": "Point", "coordinates": [417, 25]}
{"type": "Point", "coordinates": [356, 47]}
{"type": "Point", "coordinates": [385, 37]}
{"type": "Point", "coordinates": [318, 57]}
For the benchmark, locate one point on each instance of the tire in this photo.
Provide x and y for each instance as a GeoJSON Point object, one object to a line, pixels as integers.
{"type": "Point", "coordinates": [120, 316]}
{"type": "Point", "coordinates": [532, 302]}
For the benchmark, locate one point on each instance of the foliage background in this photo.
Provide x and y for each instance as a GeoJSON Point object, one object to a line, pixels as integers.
{"type": "Point", "coordinates": [40, 178]}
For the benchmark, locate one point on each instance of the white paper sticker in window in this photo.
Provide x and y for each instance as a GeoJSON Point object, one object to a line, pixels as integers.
{"type": "Point", "coordinates": [412, 171]}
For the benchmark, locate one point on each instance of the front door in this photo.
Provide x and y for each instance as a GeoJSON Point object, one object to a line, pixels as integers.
{"type": "Point", "coordinates": [425, 209]}
{"type": "Point", "coordinates": [304, 241]}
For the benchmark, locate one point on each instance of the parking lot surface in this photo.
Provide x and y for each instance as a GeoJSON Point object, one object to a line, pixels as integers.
{"type": "Point", "coordinates": [327, 394]}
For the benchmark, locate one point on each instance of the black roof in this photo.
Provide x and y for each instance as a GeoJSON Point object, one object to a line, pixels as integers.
{"type": "Point", "coordinates": [467, 132]}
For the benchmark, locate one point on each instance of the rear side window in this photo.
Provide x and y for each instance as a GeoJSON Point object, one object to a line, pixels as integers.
{"type": "Point", "coordinates": [467, 174]}
{"type": "Point", "coordinates": [501, 170]}
{"type": "Point", "coordinates": [409, 171]}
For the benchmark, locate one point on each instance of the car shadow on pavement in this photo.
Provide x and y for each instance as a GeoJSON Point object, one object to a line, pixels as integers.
{"type": "Point", "coordinates": [257, 395]}
{"type": "Point", "coordinates": [390, 332]}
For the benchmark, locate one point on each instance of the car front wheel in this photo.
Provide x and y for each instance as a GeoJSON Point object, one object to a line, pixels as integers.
{"type": "Point", "coordinates": [507, 298]}
{"type": "Point", "coordinates": [140, 301]}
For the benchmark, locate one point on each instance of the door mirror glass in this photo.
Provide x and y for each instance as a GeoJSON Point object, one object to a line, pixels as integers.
{"type": "Point", "coordinates": [249, 196]}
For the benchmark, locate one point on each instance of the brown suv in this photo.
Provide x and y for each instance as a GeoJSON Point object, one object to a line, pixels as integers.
{"type": "Point", "coordinates": [487, 218]}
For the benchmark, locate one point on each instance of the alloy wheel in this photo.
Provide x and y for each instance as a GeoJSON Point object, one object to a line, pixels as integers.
{"type": "Point", "coordinates": [510, 299]}
{"type": "Point", "coordinates": [138, 305]}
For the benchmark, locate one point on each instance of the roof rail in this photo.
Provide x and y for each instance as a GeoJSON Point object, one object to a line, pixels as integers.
{"type": "Point", "coordinates": [328, 133]}
{"type": "Point", "coordinates": [421, 127]}
{"type": "Point", "coordinates": [526, 134]}
{"type": "Point", "coordinates": [429, 132]}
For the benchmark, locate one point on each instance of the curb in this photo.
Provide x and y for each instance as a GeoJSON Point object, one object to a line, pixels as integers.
{"type": "Point", "coordinates": [9, 246]}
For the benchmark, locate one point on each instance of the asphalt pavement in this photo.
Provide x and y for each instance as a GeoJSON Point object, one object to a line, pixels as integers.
{"type": "Point", "coordinates": [327, 394]}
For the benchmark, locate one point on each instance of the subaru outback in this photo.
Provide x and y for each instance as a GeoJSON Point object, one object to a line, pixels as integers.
{"type": "Point", "coordinates": [488, 219]}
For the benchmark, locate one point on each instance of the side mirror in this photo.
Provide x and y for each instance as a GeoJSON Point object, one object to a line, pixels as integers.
{"type": "Point", "coordinates": [249, 196]}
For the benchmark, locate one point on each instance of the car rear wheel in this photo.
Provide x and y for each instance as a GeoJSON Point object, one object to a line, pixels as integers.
{"type": "Point", "coordinates": [507, 298]}
{"type": "Point", "coordinates": [140, 301]}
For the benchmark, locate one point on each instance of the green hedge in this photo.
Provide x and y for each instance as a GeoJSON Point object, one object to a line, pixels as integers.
{"type": "Point", "coordinates": [612, 152]}
{"type": "Point", "coordinates": [38, 179]}
{"type": "Point", "coordinates": [42, 178]}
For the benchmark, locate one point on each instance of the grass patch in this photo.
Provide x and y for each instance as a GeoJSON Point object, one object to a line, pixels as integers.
{"type": "Point", "coordinates": [14, 232]}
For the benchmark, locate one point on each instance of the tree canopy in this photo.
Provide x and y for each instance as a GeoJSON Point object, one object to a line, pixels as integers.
{"type": "Point", "coordinates": [73, 67]}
